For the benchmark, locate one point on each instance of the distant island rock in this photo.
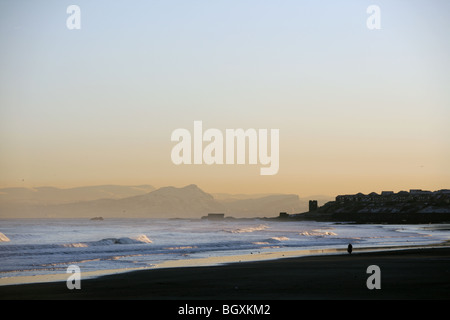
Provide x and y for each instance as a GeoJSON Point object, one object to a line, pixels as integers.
{"type": "Point", "coordinates": [97, 219]}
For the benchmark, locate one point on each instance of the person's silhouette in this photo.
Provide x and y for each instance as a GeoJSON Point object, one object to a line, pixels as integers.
{"type": "Point", "coordinates": [349, 248]}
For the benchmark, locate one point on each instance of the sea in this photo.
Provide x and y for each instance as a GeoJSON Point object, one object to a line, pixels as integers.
{"type": "Point", "coordinates": [31, 247]}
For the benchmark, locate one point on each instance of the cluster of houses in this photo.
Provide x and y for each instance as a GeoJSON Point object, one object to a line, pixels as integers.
{"type": "Point", "coordinates": [402, 196]}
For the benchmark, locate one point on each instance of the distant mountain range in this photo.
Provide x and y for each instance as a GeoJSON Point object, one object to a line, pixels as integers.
{"type": "Point", "coordinates": [51, 195]}
{"type": "Point", "coordinates": [140, 202]}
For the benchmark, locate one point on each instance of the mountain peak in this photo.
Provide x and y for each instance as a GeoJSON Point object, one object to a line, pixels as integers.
{"type": "Point", "coordinates": [192, 186]}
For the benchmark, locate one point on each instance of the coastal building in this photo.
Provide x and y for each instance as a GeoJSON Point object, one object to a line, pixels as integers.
{"type": "Point", "coordinates": [402, 196]}
{"type": "Point", "coordinates": [214, 216]}
{"type": "Point", "coordinates": [284, 215]}
{"type": "Point", "coordinates": [415, 191]}
{"type": "Point", "coordinates": [312, 205]}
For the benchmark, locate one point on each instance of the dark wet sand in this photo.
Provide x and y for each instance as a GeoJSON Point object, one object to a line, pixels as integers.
{"type": "Point", "coordinates": [405, 274]}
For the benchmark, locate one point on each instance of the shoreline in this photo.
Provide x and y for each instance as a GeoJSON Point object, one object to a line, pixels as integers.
{"type": "Point", "coordinates": [417, 272]}
{"type": "Point", "coordinates": [212, 262]}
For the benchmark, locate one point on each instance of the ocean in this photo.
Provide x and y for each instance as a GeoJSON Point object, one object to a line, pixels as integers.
{"type": "Point", "coordinates": [44, 247]}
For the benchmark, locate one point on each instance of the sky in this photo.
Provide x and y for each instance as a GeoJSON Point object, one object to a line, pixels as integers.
{"type": "Point", "coordinates": [358, 110]}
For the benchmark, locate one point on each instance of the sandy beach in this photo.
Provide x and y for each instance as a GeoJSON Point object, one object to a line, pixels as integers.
{"type": "Point", "coordinates": [404, 274]}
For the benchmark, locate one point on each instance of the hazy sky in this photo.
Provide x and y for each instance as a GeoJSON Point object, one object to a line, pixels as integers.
{"type": "Point", "coordinates": [357, 109]}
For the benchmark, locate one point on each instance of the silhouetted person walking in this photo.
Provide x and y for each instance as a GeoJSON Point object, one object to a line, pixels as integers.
{"type": "Point", "coordinates": [349, 248]}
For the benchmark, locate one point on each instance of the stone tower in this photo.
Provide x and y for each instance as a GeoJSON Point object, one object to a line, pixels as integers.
{"type": "Point", "coordinates": [312, 205]}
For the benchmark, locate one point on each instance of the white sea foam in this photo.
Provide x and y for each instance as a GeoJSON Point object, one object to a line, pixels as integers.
{"type": "Point", "coordinates": [3, 238]}
{"type": "Point", "coordinates": [317, 233]}
{"type": "Point", "coordinates": [44, 247]}
{"type": "Point", "coordinates": [75, 245]}
{"type": "Point", "coordinates": [143, 238]}
{"type": "Point", "coordinates": [249, 229]}
{"type": "Point", "coordinates": [125, 240]}
{"type": "Point", "coordinates": [278, 239]}
{"type": "Point", "coordinates": [110, 241]}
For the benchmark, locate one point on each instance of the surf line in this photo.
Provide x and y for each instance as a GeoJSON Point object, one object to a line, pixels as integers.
{"type": "Point", "coordinates": [190, 150]}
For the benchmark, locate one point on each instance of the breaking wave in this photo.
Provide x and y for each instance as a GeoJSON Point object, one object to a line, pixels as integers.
{"type": "Point", "coordinates": [248, 229]}
{"type": "Point", "coordinates": [181, 248]}
{"type": "Point", "coordinates": [278, 239]}
{"type": "Point", "coordinates": [46, 247]}
{"type": "Point", "coordinates": [3, 238]}
{"type": "Point", "coordinates": [75, 245]}
{"type": "Point", "coordinates": [141, 239]}
{"type": "Point", "coordinates": [317, 233]}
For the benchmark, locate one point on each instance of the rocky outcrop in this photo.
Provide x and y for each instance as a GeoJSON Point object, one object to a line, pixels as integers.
{"type": "Point", "coordinates": [432, 208]}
